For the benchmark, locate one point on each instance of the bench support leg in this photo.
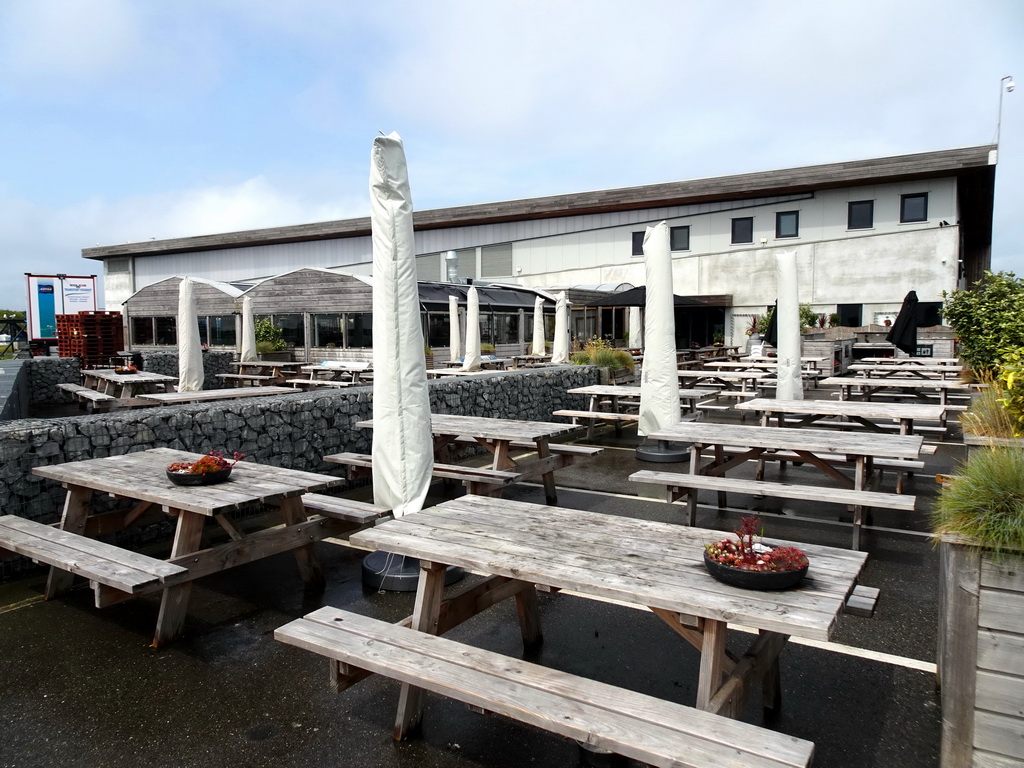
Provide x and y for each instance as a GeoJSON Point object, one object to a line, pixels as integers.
{"type": "Point", "coordinates": [529, 618]}
{"type": "Point", "coordinates": [293, 513]}
{"type": "Point", "coordinates": [548, 477]}
{"type": "Point", "coordinates": [73, 520]}
{"type": "Point", "coordinates": [712, 661]}
{"type": "Point", "coordinates": [187, 538]}
{"type": "Point", "coordinates": [425, 616]}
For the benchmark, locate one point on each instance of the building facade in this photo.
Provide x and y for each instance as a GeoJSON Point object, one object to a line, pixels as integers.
{"type": "Point", "coordinates": [865, 233]}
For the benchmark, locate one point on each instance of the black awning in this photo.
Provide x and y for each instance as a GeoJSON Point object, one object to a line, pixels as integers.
{"type": "Point", "coordinates": [637, 297]}
{"type": "Point", "coordinates": [434, 297]}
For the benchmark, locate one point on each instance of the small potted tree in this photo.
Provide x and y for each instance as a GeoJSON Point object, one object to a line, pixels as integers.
{"type": "Point", "coordinates": [269, 341]}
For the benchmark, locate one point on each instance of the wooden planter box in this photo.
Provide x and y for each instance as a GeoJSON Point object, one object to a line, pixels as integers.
{"type": "Point", "coordinates": [974, 442]}
{"type": "Point", "coordinates": [981, 656]}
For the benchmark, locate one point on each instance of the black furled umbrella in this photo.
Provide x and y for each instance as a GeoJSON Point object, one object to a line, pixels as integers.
{"type": "Point", "coordinates": [903, 333]}
{"type": "Point", "coordinates": [771, 333]}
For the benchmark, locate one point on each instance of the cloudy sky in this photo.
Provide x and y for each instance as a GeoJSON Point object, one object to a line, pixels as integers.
{"type": "Point", "coordinates": [125, 120]}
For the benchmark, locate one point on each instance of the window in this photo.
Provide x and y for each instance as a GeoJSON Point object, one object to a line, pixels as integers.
{"type": "Point", "coordinates": [222, 330]}
{"type": "Point", "coordinates": [360, 329]}
{"type": "Point", "coordinates": [860, 214]}
{"type": "Point", "coordinates": [787, 223]}
{"type": "Point", "coordinates": [328, 330]}
{"type": "Point", "coordinates": [638, 243]}
{"type": "Point", "coordinates": [914, 207]}
{"type": "Point", "coordinates": [743, 230]}
{"type": "Point", "coordinates": [505, 328]}
{"type": "Point", "coordinates": [850, 315]}
{"type": "Point", "coordinates": [142, 330]}
{"type": "Point", "coordinates": [679, 238]}
{"type": "Point", "coordinates": [166, 330]}
{"type": "Point", "coordinates": [438, 329]}
{"type": "Point", "coordinates": [292, 329]}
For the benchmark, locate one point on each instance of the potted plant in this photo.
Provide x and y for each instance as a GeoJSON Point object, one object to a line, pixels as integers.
{"type": "Point", "coordinates": [269, 340]}
{"type": "Point", "coordinates": [748, 562]}
{"type": "Point", "coordinates": [212, 468]}
{"type": "Point", "coordinates": [619, 362]}
{"type": "Point", "coordinates": [979, 526]}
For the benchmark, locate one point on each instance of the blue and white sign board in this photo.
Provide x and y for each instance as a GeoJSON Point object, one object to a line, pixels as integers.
{"type": "Point", "coordinates": [52, 295]}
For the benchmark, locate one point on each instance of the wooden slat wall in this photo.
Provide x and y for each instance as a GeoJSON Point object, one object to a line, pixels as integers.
{"type": "Point", "coordinates": [311, 290]}
{"type": "Point", "coordinates": [999, 691]}
{"type": "Point", "coordinates": [161, 299]}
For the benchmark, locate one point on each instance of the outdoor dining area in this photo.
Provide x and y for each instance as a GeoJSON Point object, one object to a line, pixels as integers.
{"type": "Point", "coordinates": [637, 576]}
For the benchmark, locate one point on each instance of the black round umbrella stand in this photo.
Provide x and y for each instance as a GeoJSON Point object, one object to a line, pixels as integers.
{"type": "Point", "coordinates": [398, 573]}
{"type": "Point", "coordinates": [663, 451]}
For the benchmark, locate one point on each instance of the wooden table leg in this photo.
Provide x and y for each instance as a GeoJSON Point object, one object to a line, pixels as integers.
{"type": "Point", "coordinates": [529, 617]}
{"type": "Point", "coordinates": [425, 615]}
{"type": "Point", "coordinates": [548, 477]}
{"type": "Point", "coordinates": [712, 661]}
{"type": "Point", "coordinates": [188, 538]}
{"type": "Point", "coordinates": [312, 575]}
{"type": "Point", "coordinates": [73, 520]}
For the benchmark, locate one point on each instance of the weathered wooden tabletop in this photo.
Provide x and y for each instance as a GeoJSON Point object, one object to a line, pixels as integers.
{"type": "Point", "coordinates": [610, 390]}
{"type": "Point", "coordinates": [893, 383]}
{"type": "Point", "coordinates": [861, 408]}
{"type": "Point", "coordinates": [141, 377]}
{"type": "Point", "coordinates": [228, 393]}
{"type": "Point", "coordinates": [781, 438]}
{"type": "Point", "coordinates": [605, 556]}
{"type": "Point", "coordinates": [491, 429]}
{"type": "Point", "coordinates": [142, 476]}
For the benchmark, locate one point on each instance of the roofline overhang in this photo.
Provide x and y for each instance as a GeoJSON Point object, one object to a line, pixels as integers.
{"type": "Point", "coordinates": [897, 168]}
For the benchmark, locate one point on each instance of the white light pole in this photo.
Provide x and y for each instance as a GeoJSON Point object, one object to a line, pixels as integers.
{"type": "Point", "coordinates": [1009, 86]}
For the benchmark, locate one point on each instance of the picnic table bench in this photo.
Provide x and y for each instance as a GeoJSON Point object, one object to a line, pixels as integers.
{"type": "Point", "coordinates": [653, 731]}
{"type": "Point", "coordinates": [255, 378]}
{"type": "Point", "coordinates": [87, 395]}
{"type": "Point", "coordinates": [208, 395]}
{"type": "Point", "coordinates": [617, 397]}
{"type": "Point", "coordinates": [482, 481]}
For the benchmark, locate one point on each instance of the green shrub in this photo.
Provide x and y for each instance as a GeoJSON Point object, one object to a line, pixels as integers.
{"type": "Point", "coordinates": [989, 319]}
{"type": "Point", "coordinates": [600, 352]}
{"type": "Point", "coordinates": [1011, 384]}
{"type": "Point", "coordinates": [808, 316]}
{"type": "Point", "coordinates": [985, 501]}
{"type": "Point", "coordinates": [268, 334]}
{"type": "Point", "coordinates": [988, 417]}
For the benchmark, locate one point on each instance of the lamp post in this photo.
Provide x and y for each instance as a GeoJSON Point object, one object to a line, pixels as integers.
{"type": "Point", "coordinates": [1005, 84]}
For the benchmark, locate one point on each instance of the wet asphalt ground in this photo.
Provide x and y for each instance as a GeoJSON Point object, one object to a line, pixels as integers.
{"type": "Point", "coordinates": [82, 687]}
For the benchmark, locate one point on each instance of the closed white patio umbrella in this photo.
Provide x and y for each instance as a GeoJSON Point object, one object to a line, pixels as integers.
{"type": "Point", "coordinates": [454, 337]}
{"type": "Point", "coordinates": [560, 344]}
{"type": "Point", "coordinates": [790, 385]}
{"type": "Point", "coordinates": [659, 382]}
{"type": "Point", "coordinates": [248, 351]}
{"type": "Point", "coordinates": [636, 328]}
{"type": "Point", "coordinates": [537, 348]}
{"type": "Point", "coordinates": [471, 360]}
{"type": "Point", "coordinates": [190, 345]}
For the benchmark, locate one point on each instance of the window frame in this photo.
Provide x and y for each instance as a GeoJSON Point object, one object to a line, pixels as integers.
{"type": "Point", "coordinates": [638, 243]}
{"type": "Point", "coordinates": [672, 232]}
{"type": "Point", "coordinates": [904, 199]}
{"type": "Point", "coordinates": [778, 224]}
{"type": "Point", "coordinates": [735, 222]}
{"type": "Point", "coordinates": [870, 204]}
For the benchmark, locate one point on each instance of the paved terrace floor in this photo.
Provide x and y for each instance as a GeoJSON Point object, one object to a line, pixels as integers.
{"type": "Point", "coordinates": [81, 687]}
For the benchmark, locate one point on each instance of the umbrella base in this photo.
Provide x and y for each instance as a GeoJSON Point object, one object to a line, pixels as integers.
{"type": "Point", "coordinates": [663, 452]}
{"type": "Point", "coordinates": [397, 573]}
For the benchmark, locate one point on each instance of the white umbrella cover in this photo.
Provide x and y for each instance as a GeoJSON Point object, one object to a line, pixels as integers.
{"type": "Point", "coordinates": [538, 327]}
{"type": "Point", "coordinates": [402, 447]}
{"type": "Point", "coordinates": [790, 385]}
{"type": "Point", "coordinates": [560, 344]}
{"type": "Point", "coordinates": [471, 360]}
{"type": "Point", "coordinates": [659, 383]}
{"type": "Point", "coordinates": [248, 353]}
{"type": "Point", "coordinates": [636, 328]}
{"type": "Point", "coordinates": [190, 346]}
{"type": "Point", "coordinates": [454, 337]}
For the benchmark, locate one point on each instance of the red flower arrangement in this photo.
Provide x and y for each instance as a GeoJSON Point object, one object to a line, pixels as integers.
{"type": "Point", "coordinates": [214, 462]}
{"type": "Point", "coordinates": [743, 553]}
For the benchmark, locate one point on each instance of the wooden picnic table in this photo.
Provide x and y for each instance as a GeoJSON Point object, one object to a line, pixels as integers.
{"type": "Point", "coordinates": [857, 412]}
{"type": "Point", "coordinates": [141, 476]}
{"type": "Point", "coordinates": [883, 370]}
{"type": "Point", "coordinates": [618, 397]}
{"type": "Point", "coordinates": [207, 395]}
{"type": "Point", "coordinates": [732, 445]}
{"type": "Point", "coordinates": [500, 436]}
{"type": "Point", "coordinates": [260, 372]}
{"type": "Point", "coordinates": [334, 373]}
{"type": "Point", "coordinates": [495, 363]}
{"type": "Point", "coordinates": [909, 361]}
{"type": "Point", "coordinates": [863, 388]}
{"type": "Point", "coordinates": [734, 381]}
{"type": "Point", "coordinates": [124, 385]}
{"type": "Point", "coordinates": [599, 556]}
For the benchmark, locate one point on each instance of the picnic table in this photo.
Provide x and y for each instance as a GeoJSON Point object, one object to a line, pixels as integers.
{"type": "Point", "coordinates": [863, 388]}
{"type": "Point", "coordinates": [207, 395]}
{"type": "Point", "coordinates": [853, 412]}
{"type": "Point", "coordinates": [118, 574]}
{"type": "Point", "coordinates": [910, 361]}
{"type": "Point", "coordinates": [733, 383]}
{"type": "Point", "coordinates": [500, 436]}
{"type": "Point", "coordinates": [124, 385]}
{"type": "Point", "coordinates": [599, 556]}
{"type": "Point", "coordinates": [334, 373]}
{"type": "Point", "coordinates": [882, 370]}
{"type": "Point", "coordinates": [486, 361]}
{"type": "Point", "coordinates": [259, 372]}
{"type": "Point", "coordinates": [618, 397]}
{"type": "Point", "coordinates": [845, 458]}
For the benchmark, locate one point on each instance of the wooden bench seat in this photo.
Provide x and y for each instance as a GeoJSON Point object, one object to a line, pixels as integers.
{"type": "Point", "coordinates": [837, 423]}
{"type": "Point", "coordinates": [245, 376]}
{"type": "Point", "coordinates": [102, 563]}
{"type": "Point", "coordinates": [84, 393]}
{"type": "Point", "coordinates": [481, 481]}
{"type": "Point", "coordinates": [567, 449]}
{"type": "Point", "coordinates": [641, 727]}
{"type": "Point", "coordinates": [343, 509]}
{"type": "Point", "coordinates": [597, 415]}
{"type": "Point", "coordinates": [322, 383]}
{"type": "Point", "coordinates": [679, 484]}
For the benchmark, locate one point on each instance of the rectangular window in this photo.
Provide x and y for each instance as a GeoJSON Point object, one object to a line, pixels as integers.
{"type": "Point", "coordinates": [438, 329]}
{"type": "Point", "coordinates": [496, 260]}
{"type": "Point", "coordinates": [222, 330]}
{"type": "Point", "coordinates": [638, 243]}
{"type": "Point", "coordinates": [506, 328]}
{"type": "Point", "coordinates": [914, 207]}
{"type": "Point", "coordinates": [292, 329]}
{"type": "Point", "coordinates": [850, 315]}
{"type": "Point", "coordinates": [360, 329]}
{"type": "Point", "coordinates": [328, 331]}
{"type": "Point", "coordinates": [860, 214]}
{"type": "Point", "coordinates": [743, 230]}
{"type": "Point", "coordinates": [787, 224]}
{"type": "Point", "coordinates": [142, 331]}
{"type": "Point", "coordinates": [680, 238]}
